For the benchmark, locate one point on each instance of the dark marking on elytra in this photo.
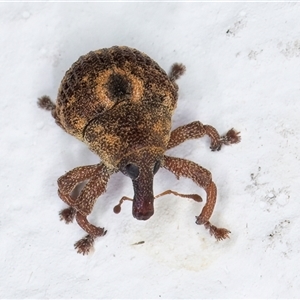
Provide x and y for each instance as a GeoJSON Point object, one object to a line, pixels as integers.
{"type": "Point", "coordinates": [119, 88]}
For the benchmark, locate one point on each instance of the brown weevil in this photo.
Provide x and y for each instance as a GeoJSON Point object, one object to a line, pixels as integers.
{"type": "Point", "coordinates": [120, 103]}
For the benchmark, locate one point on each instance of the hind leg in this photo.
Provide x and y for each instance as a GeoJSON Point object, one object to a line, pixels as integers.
{"type": "Point", "coordinates": [46, 103]}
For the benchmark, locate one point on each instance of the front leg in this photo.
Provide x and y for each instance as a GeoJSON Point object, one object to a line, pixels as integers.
{"type": "Point", "coordinates": [82, 206]}
{"type": "Point", "coordinates": [196, 130]}
{"type": "Point", "coordinates": [202, 177]}
{"type": "Point", "coordinates": [66, 185]}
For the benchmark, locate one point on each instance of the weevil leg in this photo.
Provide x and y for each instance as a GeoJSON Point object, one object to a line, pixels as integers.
{"type": "Point", "coordinates": [197, 130]}
{"type": "Point", "coordinates": [81, 207]}
{"type": "Point", "coordinates": [84, 206]}
{"type": "Point", "coordinates": [202, 177]}
{"type": "Point", "coordinates": [46, 103]}
{"type": "Point", "coordinates": [84, 245]}
{"type": "Point", "coordinates": [66, 185]}
{"type": "Point", "coordinates": [67, 214]}
{"type": "Point", "coordinates": [177, 70]}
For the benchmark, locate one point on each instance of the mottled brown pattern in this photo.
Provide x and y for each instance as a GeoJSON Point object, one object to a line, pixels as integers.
{"type": "Point", "coordinates": [85, 91]}
{"type": "Point", "coordinates": [112, 136]}
{"type": "Point", "coordinates": [120, 103]}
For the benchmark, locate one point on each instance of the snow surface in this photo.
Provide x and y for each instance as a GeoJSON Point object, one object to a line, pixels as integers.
{"type": "Point", "coordinates": [243, 70]}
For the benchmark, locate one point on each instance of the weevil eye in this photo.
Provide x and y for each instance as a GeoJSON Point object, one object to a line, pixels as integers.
{"type": "Point", "coordinates": [156, 167]}
{"type": "Point", "coordinates": [132, 171]}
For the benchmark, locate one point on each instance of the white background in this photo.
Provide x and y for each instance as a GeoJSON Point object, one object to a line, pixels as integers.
{"type": "Point", "coordinates": [243, 71]}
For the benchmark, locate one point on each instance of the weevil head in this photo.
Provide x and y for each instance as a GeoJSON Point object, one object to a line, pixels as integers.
{"type": "Point", "coordinates": [141, 166]}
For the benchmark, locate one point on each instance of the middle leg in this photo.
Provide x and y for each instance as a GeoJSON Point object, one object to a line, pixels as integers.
{"type": "Point", "coordinates": [196, 130]}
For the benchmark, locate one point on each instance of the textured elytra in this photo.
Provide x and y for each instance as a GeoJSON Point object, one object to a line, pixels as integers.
{"type": "Point", "coordinates": [120, 103]}
{"type": "Point", "coordinates": [100, 80]}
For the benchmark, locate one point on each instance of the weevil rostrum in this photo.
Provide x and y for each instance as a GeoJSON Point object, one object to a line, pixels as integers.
{"type": "Point", "coordinates": [120, 102]}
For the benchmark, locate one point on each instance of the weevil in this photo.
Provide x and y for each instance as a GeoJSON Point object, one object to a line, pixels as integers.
{"type": "Point", "coordinates": [120, 102]}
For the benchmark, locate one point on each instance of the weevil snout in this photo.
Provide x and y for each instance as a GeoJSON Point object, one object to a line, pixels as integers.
{"type": "Point", "coordinates": [141, 168]}
{"type": "Point", "coordinates": [142, 209]}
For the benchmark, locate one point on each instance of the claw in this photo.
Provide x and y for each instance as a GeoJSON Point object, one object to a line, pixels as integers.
{"type": "Point", "coordinates": [67, 215]}
{"type": "Point", "coordinates": [231, 137]}
{"type": "Point", "coordinates": [85, 245]}
{"type": "Point", "coordinates": [218, 233]}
